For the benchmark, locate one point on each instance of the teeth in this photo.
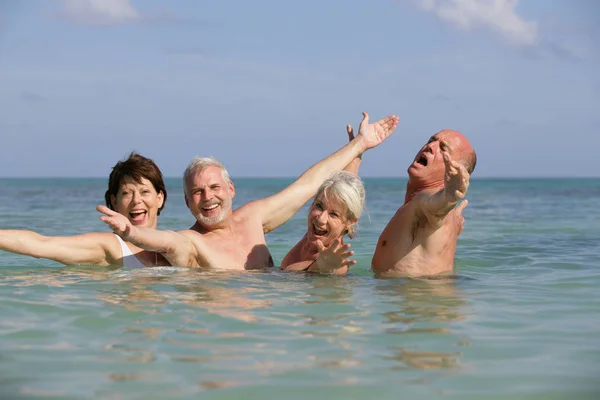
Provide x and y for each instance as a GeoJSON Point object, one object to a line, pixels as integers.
{"type": "Point", "coordinates": [319, 231]}
{"type": "Point", "coordinates": [208, 208]}
{"type": "Point", "coordinates": [138, 212]}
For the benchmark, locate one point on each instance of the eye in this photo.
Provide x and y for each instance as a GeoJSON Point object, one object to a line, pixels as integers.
{"type": "Point", "coordinates": [215, 187]}
{"type": "Point", "coordinates": [318, 206]}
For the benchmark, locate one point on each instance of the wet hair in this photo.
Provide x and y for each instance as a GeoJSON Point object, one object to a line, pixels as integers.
{"type": "Point", "coordinates": [136, 167]}
{"type": "Point", "coordinates": [199, 164]}
{"type": "Point", "coordinates": [348, 188]}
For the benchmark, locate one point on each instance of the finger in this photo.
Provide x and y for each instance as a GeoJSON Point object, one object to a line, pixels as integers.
{"type": "Point", "coordinates": [106, 210]}
{"type": "Point", "coordinates": [462, 206]}
{"type": "Point", "coordinates": [347, 263]}
{"type": "Point", "coordinates": [111, 223]}
{"type": "Point", "coordinates": [364, 122]}
{"type": "Point", "coordinates": [342, 248]}
{"type": "Point", "coordinates": [389, 121]}
{"type": "Point", "coordinates": [320, 246]}
{"type": "Point", "coordinates": [450, 165]}
{"type": "Point", "coordinates": [350, 132]}
{"type": "Point", "coordinates": [347, 254]}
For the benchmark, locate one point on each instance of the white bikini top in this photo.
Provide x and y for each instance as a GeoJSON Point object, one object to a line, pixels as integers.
{"type": "Point", "coordinates": [129, 259]}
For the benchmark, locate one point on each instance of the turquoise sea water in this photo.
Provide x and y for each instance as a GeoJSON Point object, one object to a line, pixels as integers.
{"type": "Point", "coordinates": [520, 320]}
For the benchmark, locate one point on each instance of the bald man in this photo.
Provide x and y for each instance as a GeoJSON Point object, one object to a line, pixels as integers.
{"type": "Point", "coordinates": [420, 239]}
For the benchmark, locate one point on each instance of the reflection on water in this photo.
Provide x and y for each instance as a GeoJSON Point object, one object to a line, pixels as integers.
{"type": "Point", "coordinates": [113, 333]}
{"type": "Point", "coordinates": [426, 309]}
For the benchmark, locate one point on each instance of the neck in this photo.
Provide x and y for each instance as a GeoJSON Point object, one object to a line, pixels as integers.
{"type": "Point", "coordinates": [415, 186]}
{"type": "Point", "coordinates": [307, 247]}
{"type": "Point", "coordinates": [224, 225]}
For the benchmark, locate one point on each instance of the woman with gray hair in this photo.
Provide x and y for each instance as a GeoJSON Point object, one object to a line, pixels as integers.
{"type": "Point", "coordinates": [332, 215]}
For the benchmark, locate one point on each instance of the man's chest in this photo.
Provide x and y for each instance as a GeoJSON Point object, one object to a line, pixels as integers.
{"type": "Point", "coordinates": [241, 250]}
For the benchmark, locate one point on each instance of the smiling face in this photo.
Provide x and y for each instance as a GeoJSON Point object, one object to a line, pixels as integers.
{"type": "Point", "coordinates": [209, 196]}
{"type": "Point", "coordinates": [327, 219]}
{"type": "Point", "coordinates": [138, 201]}
{"type": "Point", "coordinates": [428, 165]}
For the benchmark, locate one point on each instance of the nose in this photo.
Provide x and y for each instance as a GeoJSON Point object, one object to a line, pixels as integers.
{"type": "Point", "coordinates": [136, 198]}
{"type": "Point", "coordinates": [431, 146]}
{"type": "Point", "coordinates": [322, 218]}
{"type": "Point", "coordinates": [206, 195]}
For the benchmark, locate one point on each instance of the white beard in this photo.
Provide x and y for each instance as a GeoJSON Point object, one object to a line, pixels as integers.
{"type": "Point", "coordinates": [215, 219]}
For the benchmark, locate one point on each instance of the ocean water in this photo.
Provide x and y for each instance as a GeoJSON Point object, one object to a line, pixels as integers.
{"type": "Point", "coordinates": [519, 320]}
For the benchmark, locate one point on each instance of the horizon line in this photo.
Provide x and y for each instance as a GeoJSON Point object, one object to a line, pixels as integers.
{"type": "Point", "coordinates": [296, 177]}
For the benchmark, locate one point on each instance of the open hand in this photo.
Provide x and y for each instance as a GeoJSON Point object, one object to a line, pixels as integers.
{"type": "Point", "coordinates": [456, 179]}
{"type": "Point", "coordinates": [117, 222]}
{"type": "Point", "coordinates": [334, 257]}
{"type": "Point", "coordinates": [373, 134]}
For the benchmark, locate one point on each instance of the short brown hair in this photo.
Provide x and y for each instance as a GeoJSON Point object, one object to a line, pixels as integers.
{"type": "Point", "coordinates": [137, 167]}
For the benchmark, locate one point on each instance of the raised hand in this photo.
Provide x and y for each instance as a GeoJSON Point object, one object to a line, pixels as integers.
{"type": "Point", "coordinates": [117, 222]}
{"type": "Point", "coordinates": [334, 257]}
{"type": "Point", "coordinates": [456, 179]}
{"type": "Point", "coordinates": [373, 134]}
{"type": "Point", "coordinates": [350, 132]}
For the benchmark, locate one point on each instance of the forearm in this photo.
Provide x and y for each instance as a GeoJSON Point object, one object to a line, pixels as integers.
{"type": "Point", "coordinates": [27, 243]}
{"type": "Point", "coordinates": [354, 166]}
{"type": "Point", "coordinates": [277, 209]}
{"type": "Point", "coordinates": [154, 240]}
{"type": "Point", "coordinates": [89, 248]}
{"type": "Point", "coordinates": [312, 178]}
{"type": "Point", "coordinates": [437, 205]}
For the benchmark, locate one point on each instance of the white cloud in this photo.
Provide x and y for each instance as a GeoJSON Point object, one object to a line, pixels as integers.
{"type": "Point", "coordinates": [497, 16]}
{"type": "Point", "coordinates": [100, 12]}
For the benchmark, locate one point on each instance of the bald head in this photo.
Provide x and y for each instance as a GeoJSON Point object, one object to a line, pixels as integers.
{"type": "Point", "coordinates": [460, 147]}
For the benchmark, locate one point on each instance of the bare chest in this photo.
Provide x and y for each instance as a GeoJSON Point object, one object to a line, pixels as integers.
{"type": "Point", "coordinates": [241, 249]}
{"type": "Point", "coordinates": [410, 244]}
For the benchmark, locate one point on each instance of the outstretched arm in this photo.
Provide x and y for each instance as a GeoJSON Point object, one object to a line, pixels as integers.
{"type": "Point", "coordinates": [95, 248]}
{"type": "Point", "coordinates": [456, 182]}
{"type": "Point", "coordinates": [277, 209]}
{"type": "Point", "coordinates": [177, 248]}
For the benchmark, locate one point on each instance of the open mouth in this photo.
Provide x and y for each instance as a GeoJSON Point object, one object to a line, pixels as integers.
{"type": "Point", "coordinates": [138, 215]}
{"type": "Point", "coordinates": [210, 207]}
{"type": "Point", "coordinates": [422, 160]}
{"type": "Point", "coordinates": [319, 232]}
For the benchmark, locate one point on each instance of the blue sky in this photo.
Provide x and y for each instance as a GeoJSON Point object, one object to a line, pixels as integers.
{"type": "Point", "coordinates": [268, 86]}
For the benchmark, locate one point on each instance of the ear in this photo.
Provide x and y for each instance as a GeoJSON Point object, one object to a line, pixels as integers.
{"type": "Point", "coordinates": [113, 201]}
{"type": "Point", "coordinates": [232, 189]}
{"type": "Point", "coordinates": [161, 199]}
{"type": "Point", "coordinates": [350, 224]}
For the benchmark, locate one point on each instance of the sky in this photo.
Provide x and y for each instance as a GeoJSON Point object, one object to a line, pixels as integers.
{"type": "Point", "coordinates": [268, 86]}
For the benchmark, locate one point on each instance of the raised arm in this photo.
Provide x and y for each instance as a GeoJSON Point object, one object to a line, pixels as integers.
{"type": "Point", "coordinates": [277, 209]}
{"type": "Point", "coordinates": [176, 247]}
{"type": "Point", "coordinates": [354, 164]}
{"type": "Point", "coordinates": [437, 205]}
{"type": "Point", "coordinates": [95, 248]}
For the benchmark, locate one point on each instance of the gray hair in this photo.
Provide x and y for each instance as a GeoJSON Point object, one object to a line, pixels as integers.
{"type": "Point", "coordinates": [348, 188]}
{"type": "Point", "coordinates": [199, 164]}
